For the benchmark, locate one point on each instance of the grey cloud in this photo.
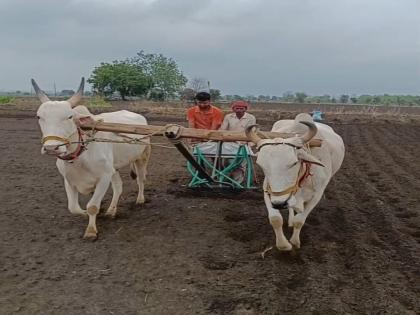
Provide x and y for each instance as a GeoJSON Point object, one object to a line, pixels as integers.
{"type": "Point", "coordinates": [241, 46]}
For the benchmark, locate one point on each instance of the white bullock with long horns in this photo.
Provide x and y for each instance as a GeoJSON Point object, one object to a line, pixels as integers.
{"type": "Point", "coordinates": [295, 175]}
{"type": "Point", "coordinates": [89, 167]}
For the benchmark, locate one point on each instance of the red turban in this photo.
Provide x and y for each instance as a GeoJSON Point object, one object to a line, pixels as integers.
{"type": "Point", "coordinates": [240, 104]}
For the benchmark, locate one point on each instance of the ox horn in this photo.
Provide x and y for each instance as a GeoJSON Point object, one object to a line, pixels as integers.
{"type": "Point", "coordinates": [77, 97]}
{"type": "Point", "coordinates": [252, 135]}
{"type": "Point", "coordinates": [310, 133]}
{"type": "Point", "coordinates": [41, 95]}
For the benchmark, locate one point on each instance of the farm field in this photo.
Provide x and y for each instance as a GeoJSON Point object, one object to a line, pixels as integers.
{"type": "Point", "coordinates": [187, 252]}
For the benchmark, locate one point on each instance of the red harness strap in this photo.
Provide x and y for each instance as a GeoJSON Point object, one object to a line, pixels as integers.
{"type": "Point", "coordinates": [80, 148]}
{"type": "Point", "coordinates": [306, 173]}
{"type": "Point", "coordinates": [302, 175]}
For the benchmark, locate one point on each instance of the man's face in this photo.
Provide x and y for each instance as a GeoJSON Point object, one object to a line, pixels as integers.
{"type": "Point", "coordinates": [203, 104]}
{"type": "Point", "coordinates": [239, 109]}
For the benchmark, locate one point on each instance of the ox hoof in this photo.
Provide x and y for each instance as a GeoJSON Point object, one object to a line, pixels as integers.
{"type": "Point", "coordinates": [90, 234]}
{"type": "Point", "coordinates": [284, 247]}
{"type": "Point", "coordinates": [295, 243]}
{"type": "Point", "coordinates": [110, 214]}
{"type": "Point", "coordinates": [140, 201]}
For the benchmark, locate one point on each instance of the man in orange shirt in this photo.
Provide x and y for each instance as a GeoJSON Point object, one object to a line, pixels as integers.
{"type": "Point", "coordinates": [204, 115]}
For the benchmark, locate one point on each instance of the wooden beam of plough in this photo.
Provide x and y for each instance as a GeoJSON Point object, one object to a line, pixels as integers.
{"type": "Point", "coordinates": [175, 131]}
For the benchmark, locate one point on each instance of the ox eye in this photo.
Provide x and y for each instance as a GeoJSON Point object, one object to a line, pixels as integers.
{"type": "Point", "coordinates": [37, 117]}
{"type": "Point", "coordinates": [70, 117]}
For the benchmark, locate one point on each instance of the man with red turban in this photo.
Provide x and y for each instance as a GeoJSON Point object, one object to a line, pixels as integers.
{"type": "Point", "coordinates": [239, 119]}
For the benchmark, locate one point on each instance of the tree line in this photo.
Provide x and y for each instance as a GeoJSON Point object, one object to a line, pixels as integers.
{"type": "Point", "coordinates": [301, 97]}
{"type": "Point", "coordinates": [156, 77]}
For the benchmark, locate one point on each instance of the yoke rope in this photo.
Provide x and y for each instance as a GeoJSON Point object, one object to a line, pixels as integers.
{"type": "Point", "coordinates": [129, 140]}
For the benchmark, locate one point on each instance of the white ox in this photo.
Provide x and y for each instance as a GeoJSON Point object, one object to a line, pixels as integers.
{"type": "Point", "coordinates": [89, 167]}
{"type": "Point", "coordinates": [296, 175]}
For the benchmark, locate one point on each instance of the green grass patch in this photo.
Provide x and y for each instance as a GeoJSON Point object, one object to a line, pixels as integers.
{"type": "Point", "coordinates": [97, 102]}
{"type": "Point", "coordinates": [6, 99]}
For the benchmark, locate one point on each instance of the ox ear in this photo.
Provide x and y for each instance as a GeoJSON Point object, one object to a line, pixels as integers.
{"type": "Point", "coordinates": [82, 115]}
{"type": "Point", "coordinates": [305, 156]}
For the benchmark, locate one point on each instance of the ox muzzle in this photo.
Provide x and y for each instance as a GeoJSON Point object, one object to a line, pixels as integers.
{"type": "Point", "coordinates": [53, 149]}
{"type": "Point", "coordinates": [54, 145]}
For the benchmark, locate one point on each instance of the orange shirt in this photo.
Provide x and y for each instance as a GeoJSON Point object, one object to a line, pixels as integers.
{"type": "Point", "coordinates": [205, 119]}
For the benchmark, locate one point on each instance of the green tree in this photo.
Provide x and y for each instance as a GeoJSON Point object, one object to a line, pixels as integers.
{"type": "Point", "coordinates": [288, 96]}
{"type": "Point", "coordinates": [101, 79]}
{"type": "Point", "coordinates": [324, 98]}
{"type": "Point", "coordinates": [353, 99]}
{"type": "Point", "coordinates": [344, 99]}
{"type": "Point", "coordinates": [120, 76]}
{"type": "Point", "coordinates": [364, 99]}
{"type": "Point", "coordinates": [300, 97]}
{"type": "Point", "coordinates": [156, 94]}
{"type": "Point", "coordinates": [67, 92]}
{"type": "Point", "coordinates": [163, 72]}
{"type": "Point", "coordinates": [215, 94]}
{"type": "Point", "coordinates": [376, 100]}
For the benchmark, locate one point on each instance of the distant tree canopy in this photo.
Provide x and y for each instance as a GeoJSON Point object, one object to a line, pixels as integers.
{"type": "Point", "coordinates": [163, 72]}
{"type": "Point", "coordinates": [300, 97]}
{"type": "Point", "coordinates": [188, 94]}
{"type": "Point", "coordinates": [149, 75]}
{"type": "Point", "coordinates": [344, 99]}
{"type": "Point", "coordinates": [215, 94]}
{"type": "Point", "coordinates": [67, 92]}
{"type": "Point", "coordinates": [156, 94]}
{"type": "Point", "coordinates": [122, 77]}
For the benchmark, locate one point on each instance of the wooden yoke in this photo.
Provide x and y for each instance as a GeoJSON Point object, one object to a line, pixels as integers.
{"type": "Point", "coordinates": [172, 131]}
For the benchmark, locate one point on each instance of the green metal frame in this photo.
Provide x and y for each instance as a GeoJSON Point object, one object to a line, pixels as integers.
{"type": "Point", "coordinates": [221, 175]}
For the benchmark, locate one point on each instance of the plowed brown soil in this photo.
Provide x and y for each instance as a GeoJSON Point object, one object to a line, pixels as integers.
{"type": "Point", "coordinates": [185, 252]}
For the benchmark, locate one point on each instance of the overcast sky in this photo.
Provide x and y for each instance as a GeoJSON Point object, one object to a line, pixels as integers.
{"type": "Point", "coordinates": [240, 46]}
